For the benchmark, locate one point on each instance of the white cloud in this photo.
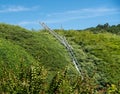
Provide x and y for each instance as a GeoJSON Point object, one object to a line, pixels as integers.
{"type": "Point", "coordinates": [86, 10]}
{"type": "Point", "coordinates": [28, 22]}
{"type": "Point", "coordinates": [80, 14]}
{"type": "Point", "coordinates": [6, 9]}
{"type": "Point", "coordinates": [71, 15]}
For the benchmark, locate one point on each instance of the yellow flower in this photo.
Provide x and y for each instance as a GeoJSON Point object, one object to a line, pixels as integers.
{"type": "Point", "coordinates": [112, 88]}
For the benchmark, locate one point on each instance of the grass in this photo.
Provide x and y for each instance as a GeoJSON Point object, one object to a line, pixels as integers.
{"type": "Point", "coordinates": [12, 56]}
{"type": "Point", "coordinates": [35, 62]}
{"type": "Point", "coordinates": [41, 46]}
{"type": "Point", "coordinates": [98, 53]}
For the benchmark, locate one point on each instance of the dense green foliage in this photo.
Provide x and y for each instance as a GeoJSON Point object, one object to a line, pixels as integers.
{"type": "Point", "coordinates": [12, 56]}
{"type": "Point", "coordinates": [40, 45]}
{"type": "Point", "coordinates": [98, 52]}
{"type": "Point", "coordinates": [35, 82]}
{"type": "Point", "coordinates": [36, 63]}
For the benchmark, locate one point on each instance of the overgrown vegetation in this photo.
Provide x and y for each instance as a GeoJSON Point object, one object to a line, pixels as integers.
{"type": "Point", "coordinates": [34, 81]}
{"type": "Point", "coordinates": [36, 63]}
{"type": "Point", "coordinates": [100, 52]}
{"type": "Point", "coordinates": [12, 56]}
{"type": "Point", "coordinates": [40, 45]}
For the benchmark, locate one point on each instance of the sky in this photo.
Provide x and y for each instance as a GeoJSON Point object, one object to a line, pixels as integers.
{"type": "Point", "coordinates": [57, 14]}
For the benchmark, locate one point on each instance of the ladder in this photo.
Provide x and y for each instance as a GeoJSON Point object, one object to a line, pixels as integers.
{"type": "Point", "coordinates": [63, 41]}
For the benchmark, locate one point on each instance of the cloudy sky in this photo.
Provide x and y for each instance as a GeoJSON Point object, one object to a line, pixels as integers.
{"type": "Point", "coordinates": [68, 14]}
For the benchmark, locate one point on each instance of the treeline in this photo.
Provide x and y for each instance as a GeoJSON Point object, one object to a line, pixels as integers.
{"type": "Point", "coordinates": [106, 28]}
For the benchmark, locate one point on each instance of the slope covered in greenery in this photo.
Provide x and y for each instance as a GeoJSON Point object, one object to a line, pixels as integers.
{"type": "Point", "coordinates": [36, 63]}
{"type": "Point", "coordinates": [41, 46]}
{"type": "Point", "coordinates": [12, 57]}
{"type": "Point", "coordinates": [98, 53]}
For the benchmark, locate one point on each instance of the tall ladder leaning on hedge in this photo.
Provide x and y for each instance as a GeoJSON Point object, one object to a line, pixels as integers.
{"type": "Point", "coordinates": [63, 41]}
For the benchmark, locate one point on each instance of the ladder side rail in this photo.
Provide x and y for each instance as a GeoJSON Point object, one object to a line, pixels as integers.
{"type": "Point", "coordinates": [53, 33]}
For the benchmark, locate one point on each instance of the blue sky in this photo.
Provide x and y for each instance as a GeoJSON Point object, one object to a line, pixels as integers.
{"type": "Point", "coordinates": [68, 14]}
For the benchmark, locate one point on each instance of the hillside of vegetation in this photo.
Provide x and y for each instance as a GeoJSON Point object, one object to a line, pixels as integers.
{"type": "Point", "coordinates": [12, 57]}
{"type": "Point", "coordinates": [36, 63]}
{"type": "Point", "coordinates": [41, 46]}
{"type": "Point", "coordinates": [98, 53]}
